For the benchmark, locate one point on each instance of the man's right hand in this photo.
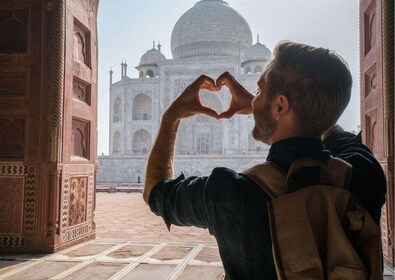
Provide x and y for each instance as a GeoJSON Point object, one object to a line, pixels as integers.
{"type": "Point", "coordinates": [241, 98]}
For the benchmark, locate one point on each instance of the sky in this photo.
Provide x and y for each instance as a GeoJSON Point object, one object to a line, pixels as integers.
{"type": "Point", "coordinates": [127, 29]}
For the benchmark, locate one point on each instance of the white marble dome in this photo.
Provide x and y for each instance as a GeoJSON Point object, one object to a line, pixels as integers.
{"type": "Point", "coordinates": [211, 27]}
{"type": "Point", "coordinates": [152, 56]}
{"type": "Point", "coordinates": [257, 52]}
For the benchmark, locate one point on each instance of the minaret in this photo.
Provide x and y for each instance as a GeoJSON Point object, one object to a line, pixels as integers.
{"type": "Point", "coordinates": [111, 72]}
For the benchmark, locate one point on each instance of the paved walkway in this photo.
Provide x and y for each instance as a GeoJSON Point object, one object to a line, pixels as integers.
{"type": "Point", "coordinates": [131, 243]}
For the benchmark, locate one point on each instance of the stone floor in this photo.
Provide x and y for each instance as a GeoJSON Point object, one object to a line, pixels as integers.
{"type": "Point", "coordinates": [131, 243]}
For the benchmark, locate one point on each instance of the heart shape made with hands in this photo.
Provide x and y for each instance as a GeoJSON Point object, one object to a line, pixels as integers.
{"type": "Point", "coordinates": [239, 103]}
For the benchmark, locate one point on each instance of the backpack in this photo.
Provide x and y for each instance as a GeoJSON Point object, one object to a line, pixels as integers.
{"type": "Point", "coordinates": [318, 231]}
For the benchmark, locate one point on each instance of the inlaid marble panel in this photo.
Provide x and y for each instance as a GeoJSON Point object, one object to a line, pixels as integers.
{"type": "Point", "coordinates": [78, 200]}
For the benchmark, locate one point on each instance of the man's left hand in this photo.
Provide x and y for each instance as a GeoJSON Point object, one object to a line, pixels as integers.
{"type": "Point", "coordinates": [188, 103]}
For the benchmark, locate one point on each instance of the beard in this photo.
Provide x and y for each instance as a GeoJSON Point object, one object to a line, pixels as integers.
{"type": "Point", "coordinates": [265, 125]}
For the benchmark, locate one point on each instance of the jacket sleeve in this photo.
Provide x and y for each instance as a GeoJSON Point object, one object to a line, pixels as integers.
{"type": "Point", "coordinates": [180, 201]}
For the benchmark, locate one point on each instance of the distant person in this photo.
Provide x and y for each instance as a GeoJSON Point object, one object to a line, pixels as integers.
{"type": "Point", "coordinates": [301, 95]}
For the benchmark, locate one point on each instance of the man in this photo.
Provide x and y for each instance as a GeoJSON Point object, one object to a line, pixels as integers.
{"type": "Point", "coordinates": [302, 93]}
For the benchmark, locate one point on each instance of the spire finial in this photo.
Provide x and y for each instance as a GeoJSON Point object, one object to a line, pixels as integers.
{"type": "Point", "coordinates": [257, 38]}
{"type": "Point", "coordinates": [159, 46]}
{"type": "Point", "coordinates": [153, 44]}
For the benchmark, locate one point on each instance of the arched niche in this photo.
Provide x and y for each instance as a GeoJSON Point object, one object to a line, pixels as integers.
{"type": "Point", "coordinates": [247, 70]}
{"type": "Point", "coordinates": [142, 107]}
{"type": "Point", "coordinates": [149, 74]}
{"type": "Point", "coordinates": [116, 142]}
{"type": "Point", "coordinates": [203, 145]}
{"type": "Point", "coordinates": [117, 115]}
{"type": "Point", "coordinates": [141, 142]}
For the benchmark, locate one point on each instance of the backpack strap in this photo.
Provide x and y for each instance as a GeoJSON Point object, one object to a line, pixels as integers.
{"type": "Point", "coordinates": [270, 177]}
{"type": "Point", "coordinates": [336, 172]}
{"type": "Point", "coordinates": [275, 182]}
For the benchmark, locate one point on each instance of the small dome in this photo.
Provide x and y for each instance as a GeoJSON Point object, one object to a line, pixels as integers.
{"type": "Point", "coordinates": [211, 27]}
{"type": "Point", "coordinates": [152, 56]}
{"type": "Point", "coordinates": [257, 52]}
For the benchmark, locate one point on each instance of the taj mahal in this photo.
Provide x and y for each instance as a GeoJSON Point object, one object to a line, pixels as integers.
{"type": "Point", "coordinates": [210, 38]}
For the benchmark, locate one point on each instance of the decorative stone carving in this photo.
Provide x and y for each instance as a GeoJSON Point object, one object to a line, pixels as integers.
{"type": "Point", "coordinates": [77, 203]}
{"type": "Point", "coordinates": [81, 46]}
{"type": "Point", "coordinates": [12, 138]}
{"type": "Point", "coordinates": [180, 85]}
{"type": "Point", "coordinates": [13, 31]}
{"type": "Point", "coordinates": [18, 185]}
{"type": "Point", "coordinates": [78, 181]}
{"type": "Point", "coordinates": [11, 205]}
{"type": "Point", "coordinates": [80, 138]}
{"type": "Point", "coordinates": [370, 26]}
{"type": "Point", "coordinates": [13, 84]}
{"type": "Point", "coordinates": [371, 131]}
{"type": "Point", "coordinates": [370, 80]}
{"type": "Point", "coordinates": [81, 91]}
{"type": "Point", "coordinates": [58, 15]}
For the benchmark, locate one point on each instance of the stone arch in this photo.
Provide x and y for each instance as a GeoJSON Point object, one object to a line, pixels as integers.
{"type": "Point", "coordinates": [258, 69]}
{"type": "Point", "coordinates": [149, 74]}
{"type": "Point", "coordinates": [116, 143]}
{"type": "Point", "coordinates": [142, 107]}
{"type": "Point", "coordinates": [117, 115]}
{"type": "Point", "coordinates": [141, 142]}
{"type": "Point", "coordinates": [247, 70]}
{"type": "Point", "coordinates": [141, 74]}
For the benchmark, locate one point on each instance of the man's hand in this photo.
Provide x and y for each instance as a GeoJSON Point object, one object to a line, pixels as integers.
{"type": "Point", "coordinates": [241, 98]}
{"type": "Point", "coordinates": [188, 103]}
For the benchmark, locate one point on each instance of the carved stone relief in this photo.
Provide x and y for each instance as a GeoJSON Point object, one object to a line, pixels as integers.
{"type": "Point", "coordinates": [13, 31]}
{"type": "Point", "coordinates": [11, 205]}
{"type": "Point", "coordinates": [77, 203]}
{"type": "Point", "coordinates": [370, 26]}
{"type": "Point", "coordinates": [81, 43]}
{"type": "Point", "coordinates": [13, 84]}
{"type": "Point", "coordinates": [19, 182]}
{"type": "Point", "coordinates": [12, 138]}
{"type": "Point", "coordinates": [372, 131]}
{"type": "Point", "coordinates": [370, 80]}
{"type": "Point", "coordinates": [81, 91]}
{"type": "Point", "coordinates": [80, 138]}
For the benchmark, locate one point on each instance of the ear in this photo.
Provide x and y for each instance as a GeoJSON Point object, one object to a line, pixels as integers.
{"type": "Point", "coordinates": [281, 106]}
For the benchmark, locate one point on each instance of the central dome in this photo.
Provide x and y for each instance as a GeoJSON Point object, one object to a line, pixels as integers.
{"type": "Point", "coordinates": [211, 27]}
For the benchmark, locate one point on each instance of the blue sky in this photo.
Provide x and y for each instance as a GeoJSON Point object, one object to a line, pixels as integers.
{"type": "Point", "coordinates": [126, 29]}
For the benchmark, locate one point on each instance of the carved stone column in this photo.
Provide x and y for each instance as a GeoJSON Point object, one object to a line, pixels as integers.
{"type": "Point", "coordinates": [48, 118]}
{"type": "Point", "coordinates": [377, 100]}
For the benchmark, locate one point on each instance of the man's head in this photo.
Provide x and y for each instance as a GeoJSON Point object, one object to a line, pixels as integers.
{"type": "Point", "coordinates": [304, 90]}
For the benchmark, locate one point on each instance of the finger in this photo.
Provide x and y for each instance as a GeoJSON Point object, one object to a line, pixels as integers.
{"type": "Point", "coordinates": [226, 115]}
{"type": "Point", "coordinates": [225, 79]}
{"type": "Point", "coordinates": [208, 111]}
{"type": "Point", "coordinates": [209, 85]}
